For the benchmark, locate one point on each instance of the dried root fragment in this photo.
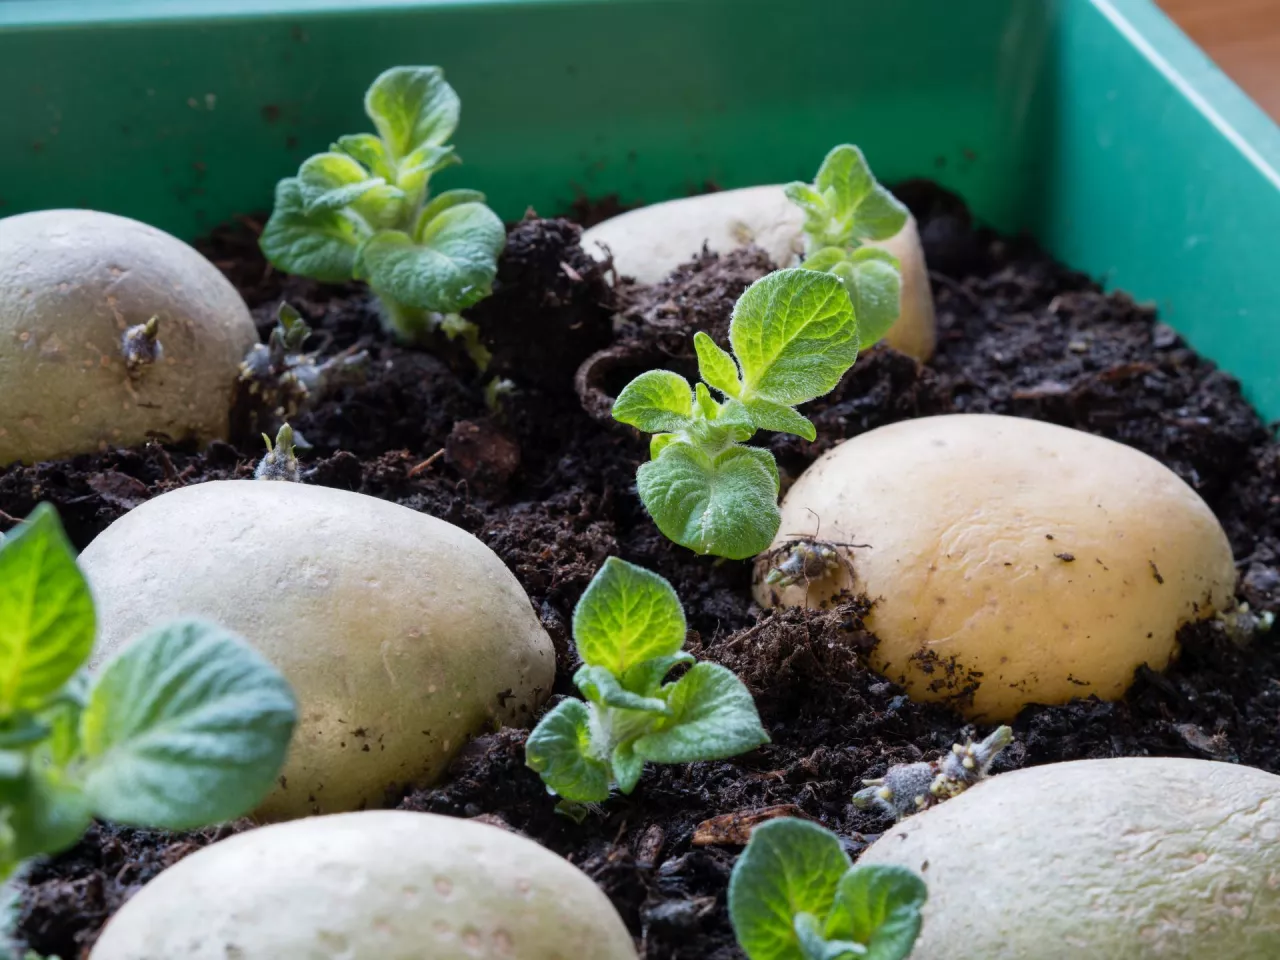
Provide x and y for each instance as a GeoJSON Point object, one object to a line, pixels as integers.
{"type": "Point", "coordinates": [911, 787]}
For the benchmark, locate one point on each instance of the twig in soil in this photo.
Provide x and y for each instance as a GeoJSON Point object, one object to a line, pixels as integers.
{"type": "Point", "coordinates": [734, 829]}
{"type": "Point", "coordinates": [414, 471]}
{"type": "Point", "coordinates": [7, 518]}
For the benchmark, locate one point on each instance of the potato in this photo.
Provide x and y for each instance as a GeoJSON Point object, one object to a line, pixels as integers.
{"type": "Point", "coordinates": [401, 634]}
{"type": "Point", "coordinates": [1025, 561]}
{"type": "Point", "coordinates": [384, 885]}
{"type": "Point", "coordinates": [650, 242]}
{"type": "Point", "coordinates": [71, 283]}
{"type": "Point", "coordinates": [1107, 859]}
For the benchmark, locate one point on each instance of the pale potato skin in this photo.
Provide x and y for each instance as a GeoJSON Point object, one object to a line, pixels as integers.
{"type": "Point", "coordinates": [402, 635]}
{"type": "Point", "coordinates": [71, 283]}
{"type": "Point", "coordinates": [1050, 561]}
{"type": "Point", "coordinates": [1122, 859]}
{"type": "Point", "coordinates": [650, 242]}
{"type": "Point", "coordinates": [379, 885]}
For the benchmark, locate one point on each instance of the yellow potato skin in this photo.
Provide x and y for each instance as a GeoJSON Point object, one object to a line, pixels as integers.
{"type": "Point", "coordinates": [401, 635]}
{"type": "Point", "coordinates": [380, 885]}
{"type": "Point", "coordinates": [71, 283]}
{"type": "Point", "coordinates": [650, 242]}
{"type": "Point", "coordinates": [1121, 859]}
{"type": "Point", "coordinates": [1009, 561]}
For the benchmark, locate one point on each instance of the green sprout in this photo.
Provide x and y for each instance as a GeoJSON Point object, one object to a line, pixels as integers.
{"type": "Point", "coordinates": [364, 211]}
{"type": "Point", "coordinates": [844, 207]}
{"type": "Point", "coordinates": [281, 460]}
{"type": "Point", "coordinates": [794, 335]}
{"type": "Point", "coordinates": [795, 895]}
{"type": "Point", "coordinates": [185, 727]}
{"type": "Point", "coordinates": [628, 629]}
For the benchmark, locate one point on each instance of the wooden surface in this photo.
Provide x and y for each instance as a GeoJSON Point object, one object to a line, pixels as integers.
{"type": "Point", "coordinates": [1243, 38]}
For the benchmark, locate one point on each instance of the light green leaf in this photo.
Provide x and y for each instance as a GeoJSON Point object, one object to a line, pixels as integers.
{"type": "Point", "coordinates": [412, 107]}
{"type": "Point", "coordinates": [657, 401]}
{"type": "Point", "coordinates": [814, 946]}
{"type": "Point", "coordinates": [862, 208]}
{"type": "Point", "coordinates": [62, 714]}
{"type": "Point", "coordinates": [450, 269]}
{"type": "Point", "coordinates": [627, 615]}
{"type": "Point", "coordinates": [827, 259]}
{"type": "Point", "coordinates": [559, 751]}
{"type": "Point", "coordinates": [767, 415]}
{"type": "Point", "coordinates": [879, 906]}
{"type": "Point", "coordinates": [187, 726]}
{"type": "Point", "coordinates": [369, 151]}
{"type": "Point", "coordinates": [726, 505]}
{"type": "Point", "coordinates": [46, 814]}
{"type": "Point", "coordinates": [442, 202]}
{"type": "Point", "coordinates": [46, 612]}
{"type": "Point", "coordinates": [875, 286]}
{"type": "Point", "coordinates": [601, 687]}
{"type": "Point", "coordinates": [320, 244]}
{"type": "Point", "coordinates": [331, 181]}
{"type": "Point", "coordinates": [789, 867]}
{"type": "Point", "coordinates": [627, 766]}
{"type": "Point", "coordinates": [713, 717]}
{"type": "Point", "coordinates": [716, 365]}
{"type": "Point", "coordinates": [880, 216]}
{"type": "Point", "coordinates": [416, 169]}
{"type": "Point", "coordinates": [794, 334]}
{"type": "Point", "coordinates": [645, 678]}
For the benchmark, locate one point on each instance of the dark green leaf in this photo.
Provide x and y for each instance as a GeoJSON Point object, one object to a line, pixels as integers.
{"type": "Point", "coordinates": [45, 814]}
{"type": "Point", "coordinates": [442, 202]}
{"type": "Point", "coordinates": [320, 244]}
{"type": "Point", "coordinates": [626, 616]}
{"type": "Point", "coordinates": [712, 717]}
{"type": "Point", "coordinates": [657, 401]}
{"type": "Point", "coordinates": [559, 751]}
{"type": "Point", "coordinates": [879, 906]}
{"type": "Point", "coordinates": [627, 766]}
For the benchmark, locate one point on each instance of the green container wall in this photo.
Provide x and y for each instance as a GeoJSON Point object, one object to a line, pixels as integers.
{"type": "Point", "coordinates": [1095, 124]}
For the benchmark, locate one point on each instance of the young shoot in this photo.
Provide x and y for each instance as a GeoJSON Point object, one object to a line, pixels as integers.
{"type": "Point", "coordinates": [908, 788]}
{"type": "Point", "coordinates": [843, 208]}
{"type": "Point", "coordinates": [186, 727]}
{"type": "Point", "coordinates": [794, 335]}
{"type": "Point", "coordinates": [281, 460]}
{"type": "Point", "coordinates": [628, 629]}
{"type": "Point", "coordinates": [795, 895]}
{"type": "Point", "coordinates": [364, 211]}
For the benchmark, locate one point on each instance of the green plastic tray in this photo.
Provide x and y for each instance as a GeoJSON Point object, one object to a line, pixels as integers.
{"type": "Point", "coordinates": [1094, 124]}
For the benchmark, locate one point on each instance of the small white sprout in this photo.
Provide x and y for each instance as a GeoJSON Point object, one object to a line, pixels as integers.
{"type": "Point", "coordinates": [281, 461]}
{"type": "Point", "coordinates": [140, 345]}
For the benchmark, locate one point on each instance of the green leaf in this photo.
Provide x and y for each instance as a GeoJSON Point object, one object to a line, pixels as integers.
{"type": "Point", "coordinates": [450, 269]}
{"type": "Point", "coordinates": [789, 867]}
{"type": "Point", "coordinates": [187, 726]}
{"type": "Point", "coordinates": [601, 687]}
{"type": "Point", "coordinates": [767, 415]}
{"type": "Point", "coordinates": [716, 366]}
{"type": "Point", "coordinates": [46, 612]}
{"type": "Point", "coordinates": [713, 717]}
{"type": "Point", "coordinates": [63, 717]}
{"type": "Point", "coordinates": [627, 766]}
{"type": "Point", "coordinates": [794, 333]}
{"type": "Point", "coordinates": [814, 946]}
{"type": "Point", "coordinates": [46, 814]}
{"type": "Point", "coordinates": [724, 505]}
{"type": "Point", "coordinates": [412, 107]}
{"type": "Point", "coordinates": [880, 216]}
{"type": "Point", "coordinates": [369, 151]}
{"type": "Point", "coordinates": [646, 678]}
{"type": "Point", "coordinates": [873, 279]}
{"type": "Point", "coordinates": [863, 209]}
{"type": "Point", "coordinates": [330, 181]}
{"type": "Point", "coordinates": [657, 401]}
{"type": "Point", "coordinates": [559, 751]}
{"type": "Point", "coordinates": [320, 244]}
{"type": "Point", "coordinates": [879, 906]}
{"type": "Point", "coordinates": [442, 202]}
{"type": "Point", "coordinates": [416, 169]}
{"type": "Point", "coordinates": [627, 615]}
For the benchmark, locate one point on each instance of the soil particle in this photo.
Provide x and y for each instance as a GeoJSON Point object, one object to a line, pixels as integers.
{"type": "Point", "coordinates": [548, 484]}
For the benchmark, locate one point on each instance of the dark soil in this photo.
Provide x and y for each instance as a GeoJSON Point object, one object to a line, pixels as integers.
{"type": "Point", "coordinates": [549, 487]}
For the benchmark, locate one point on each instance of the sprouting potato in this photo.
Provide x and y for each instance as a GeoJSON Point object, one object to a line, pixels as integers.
{"type": "Point", "coordinates": [401, 635]}
{"type": "Point", "coordinates": [111, 332]}
{"type": "Point", "coordinates": [390, 885]}
{"type": "Point", "coordinates": [1009, 561]}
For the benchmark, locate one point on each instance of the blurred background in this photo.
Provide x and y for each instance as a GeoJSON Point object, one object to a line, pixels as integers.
{"type": "Point", "coordinates": [1243, 36]}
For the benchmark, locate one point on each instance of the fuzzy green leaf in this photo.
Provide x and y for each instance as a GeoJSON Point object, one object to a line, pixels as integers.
{"type": "Point", "coordinates": [412, 107]}
{"type": "Point", "coordinates": [716, 365]}
{"type": "Point", "coordinates": [724, 505]}
{"type": "Point", "coordinates": [814, 946]}
{"type": "Point", "coordinates": [369, 151]}
{"type": "Point", "coordinates": [789, 867]}
{"type": "Point", "coordinates": [862, 208]}
{"type": "Point", "coordinates": [626, 616]}
{"type": "Point", "coordinates": [646, 678]}
{"type": "Point", "coordinates": [712, 716]}
{"type": "Point", "coordinates": [416, 169]}
{"type": "Point", "coordinates": [187, 726]}
{"type": "Point", "coordinates": [47, 621]}
{"type": "Point", "coordinates": [450, 269]}
{"type": "Point", "coordinates": [320, 244]}
{"type": "Point", "coordinates": [794, 334]}
{"type": "Point", "coordinates": [601, 687]}
{"type": "Point", "coordinates": [767, 415]}
{"type": "Point", "coordinates": [442, 202]}
{"type": "Point", "coordinates": [879, 906]}
{"type": "Point", "coordinates": [45, 813]}
{"type": "Point", "coordinates": [657, 401]}
{"type": "Point", "coordinates": [873, 279]}
{"type": "Point", "coordinates": [331, 181]}
{"type": "Point", "coordinates": [558, 750]}
{"type": "Point", "coordinates": [627, 766]}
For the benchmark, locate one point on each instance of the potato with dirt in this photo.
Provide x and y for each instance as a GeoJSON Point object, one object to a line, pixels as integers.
{"type": "Point", "coordinates": [1110, 859]}
{"type": "Point", "coordinates": [390, 885]}
{"type": "Point", "coordinates": [111, 332]}
{"type": "Point", "coordinates": [1009, 561]}
{"type": "Point", "coordinates": [401, 635]}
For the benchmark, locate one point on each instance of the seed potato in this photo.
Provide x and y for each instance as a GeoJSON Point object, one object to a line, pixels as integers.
{"type": "Point", "coordinates": [650, 242]}
{"type": "Point", "coordinates": [1118, 859]}
{"type": "Point", "coordinates": [1009, 561]}
{"type": "Point", "coordinates": [402, 635]}
{"type": "Point", "coordinates": [71, 283]}
{"type": "Point", "coordinates": [390, 885]}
